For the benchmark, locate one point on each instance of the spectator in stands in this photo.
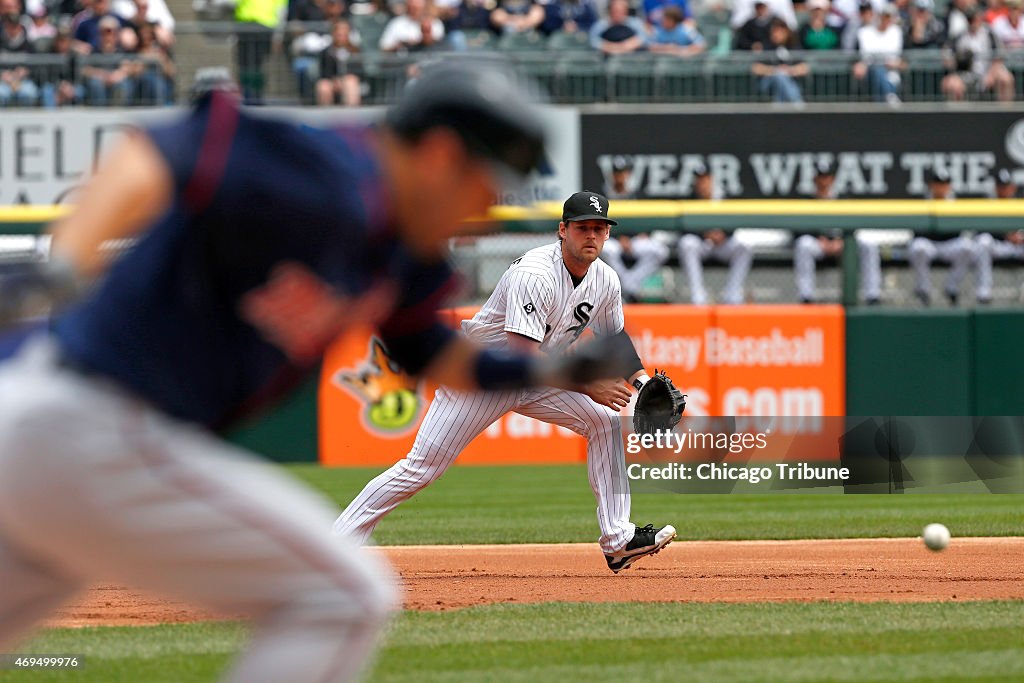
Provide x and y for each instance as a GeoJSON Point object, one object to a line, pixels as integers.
{"type": "Point", "coordinates": [140, 12]}
{"type": "Point", "coordinates": [673, 36]}
{"type": "Point", "coordinates": [308, 11]}
{"type": "Point", "coordinates": [754, 33]}
{"type": "Point", "coordinates": [448, 11]}
{"type": "Point", "coordinates": [462, 16]}
{"type": "Point", "coordinates": [816, 33]}
{"type": "Point", "coordinates": [988, 247]}
{"type": "Point", "coordinates": [14, 28]}
{"type": "Point", "coordinates": [745, 10]}
{"type": "Point", "coordinates": [40, 30]}
{"type": "Point", "coordinates": [307, 45]}
{"type": "Point", "coordinates": [413, 31]}
{"type": "Point", "coordinates": [80, 11]}
{"type": "Point", "coordinates": [62, 88]}
{"type": "Point", "coordinates": [808, 249]}
{"type": "Point", "coordinates": [339, 74]}
{"type": "Point", "coordinates": [714, 244]}
{"type": "Point", "coordinates": [995, 9]}
{"type": "Point", "coordinates": [257, 20]}
{"type": "Point", "coordinates": [569, 16]}
{"type": "Point", "coordinates": [865, 16]}
{"type": "Point", "coordinates": [156, 79]}
{"type": "Point", "coordinates": [952, 248]}
{"type": "Point", "coordinates": [923, 30]}
{"type": "Point", "coordinates": [517, 16]}
{"type": "Point", "coordinates": [88, 31]}
{"type": "Point", "coordinates": [1009, 29]}
{"type": "Point", "coordinates": [779, 68]}
{"type": "Point", "coordinates": [880, 47]}
{"type": "Point", "coordinates": [363, 7]}
{"type": "Point", "coordinates": [974, 63]}
{"type": "Point", "coordinates": [956, 19]}
{"type": "Point", "coordinates": [16, 83]}
{"type": "Point", "coordinates": [111, 79]}
{"type": "Point", "coordinates": [619, 33]}
{"type": "Point", "coordinates": [655, 9]}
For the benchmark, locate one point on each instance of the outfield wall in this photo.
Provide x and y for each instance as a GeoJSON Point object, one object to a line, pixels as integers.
{"type": "Point", "coordinates": [871, 363]}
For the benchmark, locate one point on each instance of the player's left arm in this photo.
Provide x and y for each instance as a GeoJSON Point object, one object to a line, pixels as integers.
{"type": "Point", "coordinates": [610, 321]}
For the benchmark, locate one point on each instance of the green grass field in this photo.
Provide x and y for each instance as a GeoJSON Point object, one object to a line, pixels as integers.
{"type": "Point", "coordinates": [979, 641]}
{"type": "Point", "coordinates": [554, 504]}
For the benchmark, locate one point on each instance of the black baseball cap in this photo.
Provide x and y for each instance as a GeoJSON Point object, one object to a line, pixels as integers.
{"type": "Point", "coordinates": [824, 168]}
{"type": "Point", "coordinates": [482, 103]}
{"type": "Point", "coordinates": [701, 170]}
{"type": "Point", "coordinates": [585, 206]}
{"type": "Point", "coordinates": [938, 175]}
{"type": "Point", "coordinates": [1004, 177]}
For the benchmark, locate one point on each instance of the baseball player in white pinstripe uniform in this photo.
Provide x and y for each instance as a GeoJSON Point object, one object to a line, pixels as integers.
{"type": "Point", "coordinates": [544, 301]}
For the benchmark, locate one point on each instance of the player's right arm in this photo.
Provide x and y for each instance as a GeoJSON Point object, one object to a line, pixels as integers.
{"type": "Point", "coordinates": [529, 297]}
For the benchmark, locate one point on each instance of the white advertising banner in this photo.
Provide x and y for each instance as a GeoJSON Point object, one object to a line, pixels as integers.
{"type": "Point", "coordinates": [46, 155]}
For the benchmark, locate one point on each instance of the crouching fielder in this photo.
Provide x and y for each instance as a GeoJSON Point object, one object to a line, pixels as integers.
{"type": "Point", "coordinates": [258, 243]}
{"type": "Point", "coordinates": [543, 302]}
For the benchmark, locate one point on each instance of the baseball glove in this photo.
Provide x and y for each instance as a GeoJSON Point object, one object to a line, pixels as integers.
{"type": "Point", "coordinates": [659, 405]}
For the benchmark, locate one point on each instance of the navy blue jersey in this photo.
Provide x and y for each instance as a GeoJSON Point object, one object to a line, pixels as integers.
{"type": "Point", "coordinates": [271, 223]}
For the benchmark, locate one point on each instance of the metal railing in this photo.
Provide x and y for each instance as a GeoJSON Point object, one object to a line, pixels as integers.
{"type": "Point", "coordinates": [52, 80]}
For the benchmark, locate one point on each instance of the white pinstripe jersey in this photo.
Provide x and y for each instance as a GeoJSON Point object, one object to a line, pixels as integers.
{"type": "Point", "coordinates": [536, 298]}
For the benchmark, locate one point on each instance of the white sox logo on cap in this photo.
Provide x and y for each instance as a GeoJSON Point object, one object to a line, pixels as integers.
{"type": "Point", "coordinates": [596, 203]}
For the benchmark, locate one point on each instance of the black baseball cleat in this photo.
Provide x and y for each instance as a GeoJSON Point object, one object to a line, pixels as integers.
{"type": "Point", "coordinates": [646, 541]}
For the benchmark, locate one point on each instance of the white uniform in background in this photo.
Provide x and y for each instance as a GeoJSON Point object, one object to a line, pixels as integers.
{"type": "Point", "coordinates": [986, 249]}
{"type": "Point", "coordinates": [694, 250]}
{"type": "Point", "coordinates": [648, 255]}
{"type": "Point", "coordinates": [807, 251]}
{"type": "Point", "coordinates": [536, 298]}
{"type": "Point", "coordinates": [958, 252]}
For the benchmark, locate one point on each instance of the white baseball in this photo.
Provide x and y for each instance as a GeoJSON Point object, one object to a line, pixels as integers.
{"type": "Point", "coordinates": [936, 536]}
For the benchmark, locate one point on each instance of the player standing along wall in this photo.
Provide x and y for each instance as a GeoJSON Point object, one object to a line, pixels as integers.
{"type": "Point", "coordinates": [730, 360]}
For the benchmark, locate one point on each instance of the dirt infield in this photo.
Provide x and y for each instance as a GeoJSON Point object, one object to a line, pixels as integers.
{"type": "Point", "coordinates": [447, 577]}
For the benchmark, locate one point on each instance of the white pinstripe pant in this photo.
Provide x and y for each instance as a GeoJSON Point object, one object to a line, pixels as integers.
{"type": "Point", "coordinates": [455, 418]}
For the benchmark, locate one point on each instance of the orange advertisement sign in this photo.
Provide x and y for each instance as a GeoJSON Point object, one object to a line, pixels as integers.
{"type": "Point", "coordinates": [747, 360]}
{"type": "Point", "coordinates": [742, 360]}
{"type": "Point", "coordinates": [370, 411]}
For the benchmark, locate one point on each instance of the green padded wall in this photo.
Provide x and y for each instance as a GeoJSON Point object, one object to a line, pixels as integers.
{"type": "Point", "coordinates": [288, 431]}
{"type": "Point", "coordinates": [999, 362]}
{"type": "Point", "coordinates": [909, 363]}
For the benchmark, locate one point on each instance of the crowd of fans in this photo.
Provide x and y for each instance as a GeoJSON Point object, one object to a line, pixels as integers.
{"type": "Point", "coordinates": [636, 259]}
{"type": "Point", "coordinates": [968, 39]}
{"type": "Point", "coordinates": [101, 52]}
{"type": "Point", "coordinates": [121, 51]}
